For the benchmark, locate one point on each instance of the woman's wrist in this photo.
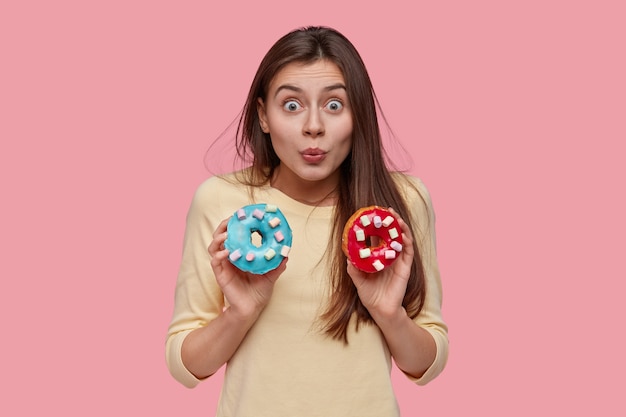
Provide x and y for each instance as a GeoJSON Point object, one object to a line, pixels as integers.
{"type": "Point", "coordinates": [389, 319]}
{"type": "Point", "coordinates": [243, 316]}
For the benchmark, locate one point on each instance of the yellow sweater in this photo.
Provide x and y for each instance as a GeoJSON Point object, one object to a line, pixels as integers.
{"type": "Point", "coordinates": [285, 366]}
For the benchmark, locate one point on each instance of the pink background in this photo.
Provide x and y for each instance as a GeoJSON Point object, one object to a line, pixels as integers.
{"type": "Point", "coordinates": [514, 113]}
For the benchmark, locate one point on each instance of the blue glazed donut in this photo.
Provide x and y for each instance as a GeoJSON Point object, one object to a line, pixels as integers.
{"type": "Point", "coordinates": [275, 238]}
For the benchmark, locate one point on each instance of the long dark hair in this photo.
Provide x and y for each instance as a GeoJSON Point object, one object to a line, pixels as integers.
{"type": "Point", "coordinates": [365, 177]}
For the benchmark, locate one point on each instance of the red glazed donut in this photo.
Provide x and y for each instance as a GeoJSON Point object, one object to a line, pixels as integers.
{"type": "Point", "coordinates": [372, 239]}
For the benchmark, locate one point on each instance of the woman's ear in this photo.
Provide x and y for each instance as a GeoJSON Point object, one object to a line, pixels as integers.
{"type": "Point", "coordinates": [260, 108]}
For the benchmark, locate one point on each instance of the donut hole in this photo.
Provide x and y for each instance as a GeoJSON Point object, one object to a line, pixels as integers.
{"type": "Point", "coordinates": [256, 238]}
{"type": "Point", "coordinates": [373, 241]}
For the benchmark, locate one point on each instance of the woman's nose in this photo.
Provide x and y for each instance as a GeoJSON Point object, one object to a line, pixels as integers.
{"type": "Point", "coordinates": [313, 125]}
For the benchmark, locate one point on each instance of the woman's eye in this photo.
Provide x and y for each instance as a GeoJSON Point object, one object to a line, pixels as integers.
{"type": "Point", "coordinates": [291, 105]}
{"type": "Point", "coordinates": [334, 105]}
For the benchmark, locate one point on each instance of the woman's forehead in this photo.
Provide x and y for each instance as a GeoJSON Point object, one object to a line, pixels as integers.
{"type": "Point", "coordinates": [301, 74]}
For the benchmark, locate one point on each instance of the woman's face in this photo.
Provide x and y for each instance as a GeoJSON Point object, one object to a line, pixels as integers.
{"type": "Point", "coordinates": [309, 119]}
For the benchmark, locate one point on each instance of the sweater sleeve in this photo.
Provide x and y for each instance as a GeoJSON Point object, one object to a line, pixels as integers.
{"type": "Point", "coordinates": [198, 298]}
{"type": "Point", "coordinates": [430, 318]}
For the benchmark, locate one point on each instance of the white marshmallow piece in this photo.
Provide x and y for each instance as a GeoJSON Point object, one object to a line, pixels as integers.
{"type": "Point", "coordinates": [270, 253]}
{"type": "Point", "coordinates": [284, 251]}
{"type": "Point", "coordinates": [390, 254]}
{"type": "Point", "coordinates": [365, 221]}
{"type": "Point", "coordinates": [365, 253]}
{"type": "Point", "coordinates": [397, 246]}
{"type": "Point", "coordinates": [393, 233]}
{"type": "Point", "coordinates": [270, 208]}
{"type": "Point", "coordinates": [388, 220]}
{"type": "Point", "coordinates": [234, 255]}
{"type": "Point", "coordinates": [377, 222]}
{"type": "Point", "coordinates": [360, 235]}
{"type": "Point", "coordinates": [275, 221]}
{"type": "Point", "coordinates": [378, 265]}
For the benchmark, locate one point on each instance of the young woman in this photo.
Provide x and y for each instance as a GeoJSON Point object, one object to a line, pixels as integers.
{"type": "Point", "coordinates": [316, 336]}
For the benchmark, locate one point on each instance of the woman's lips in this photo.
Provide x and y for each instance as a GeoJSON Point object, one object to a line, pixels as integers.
{"type": "Point", "coordinates": [313, 156]}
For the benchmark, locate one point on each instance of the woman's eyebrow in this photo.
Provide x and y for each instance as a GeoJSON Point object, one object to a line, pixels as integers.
{"type": "Point", "coordinates": [287, 87]}
{"type": "Point", "coordinates": [337, 86]}
{"type": "Point", "coordinates": [295, 89]}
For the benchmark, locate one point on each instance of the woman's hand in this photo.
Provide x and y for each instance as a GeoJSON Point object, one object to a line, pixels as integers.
{"type": "Point", "coordinates": [382, 292]}
{"type": "Point", "coordinates": [247, 293]}
{"type": "Point", "coordinates": [208, 348]}
{"type": "Point", "coordinates": [412, 347]}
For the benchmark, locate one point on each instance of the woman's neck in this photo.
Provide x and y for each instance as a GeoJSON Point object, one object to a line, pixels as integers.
{"type": "Point", "coordinates": [313, 193]}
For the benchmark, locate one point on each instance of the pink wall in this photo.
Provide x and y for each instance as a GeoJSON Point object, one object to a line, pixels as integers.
{"type": "Point", "coordinates": [515, 118]}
